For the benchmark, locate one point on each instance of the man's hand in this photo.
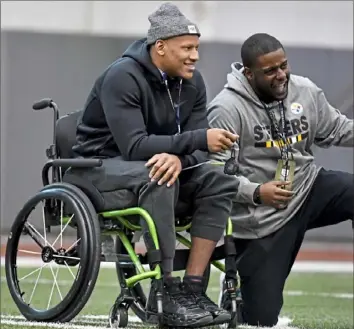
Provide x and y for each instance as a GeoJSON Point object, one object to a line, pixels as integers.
{"type": "Point", "coordinates": [165, 168]}
{"type": "Point", "coordinates": [273, 195]}
{"type": "Point", "coordinates": [220, 139]}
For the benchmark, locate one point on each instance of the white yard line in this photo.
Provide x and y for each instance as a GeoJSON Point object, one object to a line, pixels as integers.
{"type": "Point", "coordinates": [87, 318]}
{"type": "Point", "coordinates": [283, 323]}
{"type": "Point", "coordinates": [319, 294]}
{"type": "Point", "coordinates": [27, 324]}
{"type": "Point", "coordinates": [322, 266]}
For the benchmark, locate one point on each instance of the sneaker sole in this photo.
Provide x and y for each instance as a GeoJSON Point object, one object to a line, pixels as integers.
{"type": "Point", "coordinates": [201, 322]}
{"type": "Point", "coordinates": [222, 318]}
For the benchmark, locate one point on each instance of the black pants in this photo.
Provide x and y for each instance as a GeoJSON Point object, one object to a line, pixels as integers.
{"type": "Point", "coordinates": [268, 261]}
{"type": "Point", "coordinates": [206, 188]}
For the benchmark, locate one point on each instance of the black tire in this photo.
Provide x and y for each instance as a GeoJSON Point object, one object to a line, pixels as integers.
{"type": "Point", "coordinates": [58, 193]}
{"type": "Point", "coordinates": [94, 250]}
{"type": "Point", "coordinates": [139, 304]}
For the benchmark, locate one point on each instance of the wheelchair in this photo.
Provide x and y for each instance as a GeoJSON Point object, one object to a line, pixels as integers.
{"type": "Point", "coordinates": [73, 204]}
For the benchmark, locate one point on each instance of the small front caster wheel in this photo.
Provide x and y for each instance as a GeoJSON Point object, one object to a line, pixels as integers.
{"type": "Point", "coordinates": [119, 319]}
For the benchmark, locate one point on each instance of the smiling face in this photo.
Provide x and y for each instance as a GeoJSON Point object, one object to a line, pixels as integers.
{"type": "Point", "coordinates": [178, 55]}
{"type": "Point", "coordinates": [269, 76]}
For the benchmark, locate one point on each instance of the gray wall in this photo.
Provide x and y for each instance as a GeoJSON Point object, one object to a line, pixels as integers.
{"type": "Point", "coordinates": [64, 67]}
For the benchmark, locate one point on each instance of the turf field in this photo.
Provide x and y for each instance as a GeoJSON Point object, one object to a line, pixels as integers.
{"type": "Point", "coordinates": [314, 298]}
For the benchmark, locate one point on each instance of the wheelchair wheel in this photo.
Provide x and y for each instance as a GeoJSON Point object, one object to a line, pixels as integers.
{"type": "Point", "coordinates": [94, 239]}
{"type": "Point", "coordinates": [65, 252]}
{"type": "Point", "coordinates": [140, 290]}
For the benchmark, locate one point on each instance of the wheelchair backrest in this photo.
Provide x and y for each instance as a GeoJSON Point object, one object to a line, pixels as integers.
{"type": "Point", "coordinates": [66, 134]}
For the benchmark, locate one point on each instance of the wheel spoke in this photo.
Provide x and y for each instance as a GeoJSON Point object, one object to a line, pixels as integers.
{"type": "Point", "coordinates": [68, 267]}
{"type": "Point", "coordinates": [36, 270]}
{"type": "Point", "coordinates": [62, 229]}
{"type": "Point", "coordinates": [44, 227]}
{"type": "Point", "coordinates": [51, 295]}
{"type": "Point", "coordinates": [56, 281]}
{"type": "Point", "coordinates": [35, 285]}
{"type": "Point", "coordinates": [29, 252]}
{"type": "Point", "coordinates": [66, 257]}
{"type": "Point", "coordinates": [30, 227]}
{"type": "Point", "coordinates": [55, 284]}
{"type": "Point", "coordinates": [61, 223]}
{"type": "Point", "coordinates": [73, 245]}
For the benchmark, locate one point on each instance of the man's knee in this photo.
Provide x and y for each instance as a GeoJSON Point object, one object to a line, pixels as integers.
{"type": "Point", "coordinates": [343, 187]}
{"type": "Point", "coordinates": [262, 300]}
{"type": "Point", "coordinates": [163, 191]}
{"type": "Point", "coordinates": [349, 190]}
{"type": "Point", "coordinates": [261, 319]}
{"type": "Point", "coordinates": [338, 181]}
{"type": "Point", "coordinates": [214, 176]}
{"type": "Point", "coordinates": [134, 176]}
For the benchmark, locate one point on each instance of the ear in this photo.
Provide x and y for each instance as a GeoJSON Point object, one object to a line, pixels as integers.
{"type": "Point", "coordinates": [160, 47]}
{"type": "Point", "coordinates": [248, 73]}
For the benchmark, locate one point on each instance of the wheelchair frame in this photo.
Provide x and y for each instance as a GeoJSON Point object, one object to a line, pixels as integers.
{"type": "Point", "coordinates": [115, 222]}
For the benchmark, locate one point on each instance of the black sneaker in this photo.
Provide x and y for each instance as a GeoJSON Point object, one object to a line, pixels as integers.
{"type": "Point", "coordinates": [179, 308]}
{"type": "Point", "coordinates": [220, 315]}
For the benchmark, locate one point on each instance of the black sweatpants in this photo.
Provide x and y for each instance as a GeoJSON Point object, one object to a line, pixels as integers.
{"type": "Point", "coordinates": [268, 261]}
{"type": "Point", "coordinates": [206, 188]}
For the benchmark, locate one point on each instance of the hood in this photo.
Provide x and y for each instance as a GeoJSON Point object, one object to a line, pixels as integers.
{"type": "Point", "coordinates": [139, 51]}
{"type": "Point", "coordinates": [237, 82]}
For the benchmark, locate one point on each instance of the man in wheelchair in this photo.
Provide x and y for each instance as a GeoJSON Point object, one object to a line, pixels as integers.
{"type": "Point", "coordinates": [145, 117]}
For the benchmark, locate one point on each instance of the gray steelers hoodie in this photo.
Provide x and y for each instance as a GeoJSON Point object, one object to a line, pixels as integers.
{"type": "Point", "coordinates": [310, 120]}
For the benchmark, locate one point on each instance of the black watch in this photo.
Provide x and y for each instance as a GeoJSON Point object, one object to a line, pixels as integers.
{"type": "Point", "coordinates": [257, 195]}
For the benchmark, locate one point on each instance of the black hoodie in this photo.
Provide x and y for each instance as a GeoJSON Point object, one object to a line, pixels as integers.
{"type": "Point", "coordinates": [129, 113]}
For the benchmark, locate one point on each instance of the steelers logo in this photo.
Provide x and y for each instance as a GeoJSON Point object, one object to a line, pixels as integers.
{"type": "Point", "coordinates": [296, 108]}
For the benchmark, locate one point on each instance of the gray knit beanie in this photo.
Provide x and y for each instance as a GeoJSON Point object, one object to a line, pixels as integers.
{"type": "Point", "coordinates": [167, 22]}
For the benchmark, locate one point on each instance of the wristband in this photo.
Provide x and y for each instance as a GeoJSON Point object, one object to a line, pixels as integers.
{"type": "Point", "coordinates": [257, 195]}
